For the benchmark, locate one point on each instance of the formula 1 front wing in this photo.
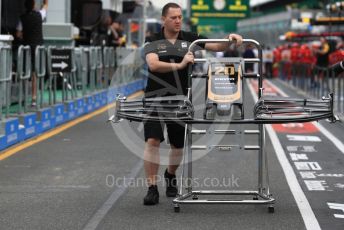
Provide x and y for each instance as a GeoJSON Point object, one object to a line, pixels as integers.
{"type": "Point", "coordinates": [267, 110]}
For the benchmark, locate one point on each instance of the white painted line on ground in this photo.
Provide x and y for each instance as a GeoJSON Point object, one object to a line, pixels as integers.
{"type": "Point", "coordinates": [283, 94]}
{"type": "Point", "coordinates": [330, 136]}
{"type": "Point", "coordinates": [322, 129]}
{"type": "Point", "coordinates": [105, 208]}
{"type": "Point", "coordinates": [303, 138]}
{"type": "Point", "coordinates": [339, 207]}
{"type": "Point", "coordinates": [306, 211]}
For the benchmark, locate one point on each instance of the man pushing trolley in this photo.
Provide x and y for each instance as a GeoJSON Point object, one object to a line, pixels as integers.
{"type": "Point", "coordinates": [168, 100]}
{"type": "Point", "coordinates": [168, 57]}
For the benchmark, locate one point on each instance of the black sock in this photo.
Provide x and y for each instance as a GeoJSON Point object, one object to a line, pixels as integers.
{"type": "Point", "coordinates": [169, 175]}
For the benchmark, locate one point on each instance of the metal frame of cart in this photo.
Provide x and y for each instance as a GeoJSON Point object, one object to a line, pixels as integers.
{"type": "Point", "coordinates": [266, 111]}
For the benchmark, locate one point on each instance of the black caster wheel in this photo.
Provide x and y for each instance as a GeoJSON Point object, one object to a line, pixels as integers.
{"type": "Point", "coordinates": [177, 209]}
{"type": "Point", "coordinates": [255, 198]}
{"type": "Point", "coordinates": [271, 209]}
{"type": "Point", "coordinates": [195, 198]}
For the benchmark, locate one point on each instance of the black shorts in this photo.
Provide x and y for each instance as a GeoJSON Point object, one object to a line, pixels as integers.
{"type": "Point", "coordinates": [33, 58]}
{"type": "Point", "coordinates": [176, 133]}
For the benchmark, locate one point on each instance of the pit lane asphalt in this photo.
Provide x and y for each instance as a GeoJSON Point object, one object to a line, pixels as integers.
{"type": "Point", "coordinates": [63, 183]}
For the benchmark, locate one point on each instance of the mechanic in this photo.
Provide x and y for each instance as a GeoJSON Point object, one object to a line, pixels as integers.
{"type": "Point", "coordinates": [167, 58]}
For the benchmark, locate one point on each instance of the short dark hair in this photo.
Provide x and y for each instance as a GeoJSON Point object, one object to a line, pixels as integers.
{"type": "Point", "coordinates": [29, 5]}
{"type": "Point", "coordinates": [167, 6]}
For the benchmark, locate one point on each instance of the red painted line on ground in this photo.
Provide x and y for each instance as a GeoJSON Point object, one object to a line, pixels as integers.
{"type": "Point", "coordinates": [291, 128]}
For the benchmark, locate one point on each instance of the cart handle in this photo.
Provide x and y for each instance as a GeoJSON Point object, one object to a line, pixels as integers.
{"type": "Point", "coordinates": [203, 41]}
{"type": "Point", "coordinates": [230, 41]}
{"type": "Point", "coordinates": [223, 40]}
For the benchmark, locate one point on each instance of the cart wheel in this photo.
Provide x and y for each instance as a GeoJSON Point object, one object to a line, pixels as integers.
{"type": "Point", "coordinates": [271, 209]}
{"type": "Point", "coordinates": [195, 197]}
{"type": "Point", "coordinates": [177, 209]}
{"type": "Point", "coordinates": [255, 198]}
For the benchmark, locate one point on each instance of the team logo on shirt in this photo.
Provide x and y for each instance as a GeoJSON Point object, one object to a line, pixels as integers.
{"type": "Point", "coordinates": [184, 45]}
{"type": "Point", "coordinates": [162, 46]}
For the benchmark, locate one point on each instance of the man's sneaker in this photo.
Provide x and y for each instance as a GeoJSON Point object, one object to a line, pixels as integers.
{"type": "Point", "coordinates": [152, 196]}
{"type": "Point", "coordinates": [171, 184]}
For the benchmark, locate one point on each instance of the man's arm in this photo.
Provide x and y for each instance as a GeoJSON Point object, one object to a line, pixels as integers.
{"type": "Point", "coordinates": [19, 34]}
{"type": "Point", "coordinates": [44, 9]}
{"type": "Point", "coordinates": [45, 4]}
{"type": "Point", "coordinates": [19, 30]}
{"type": "Point", "coordinates": [223, 46]}
{"type": "Point", "coordinates": [155, 65]}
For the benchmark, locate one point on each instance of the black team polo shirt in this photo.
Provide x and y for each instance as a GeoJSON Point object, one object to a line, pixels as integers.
{"type": "Point", "coordinates": [174, 82]}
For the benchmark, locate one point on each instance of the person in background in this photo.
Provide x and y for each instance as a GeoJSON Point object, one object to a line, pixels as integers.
{"type": "Point", "coordinates": [295, 53]}
{"type": "Point", "coordinates": [267, 59]}
{"type": "Point", "coordinates": [105, 33]}
{"type": "Point", "coordinates": [340, 45]}
{"type": "Point", "coordinates": [306, 55]}
{"type": "Point", "coordinates": [322, 61]}
{"type": "Point", "coordinates": [338, 54]}
{"type": "Point", "coordinates": [277, 57]}
{"type": "Point", "coordinates": [249, 67]}
{"type": "Point", "coordinates": [322, 53]}
{"type": "Point", "coordinates": [29, 30]}
{"type": "Point", "coordinates": [117, 38]}
{"type": "Point", "coordinates": [286, 62]}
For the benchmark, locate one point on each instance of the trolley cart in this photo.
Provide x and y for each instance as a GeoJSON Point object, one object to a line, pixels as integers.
{"type": "Point", "coordinates": [224, 105]}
